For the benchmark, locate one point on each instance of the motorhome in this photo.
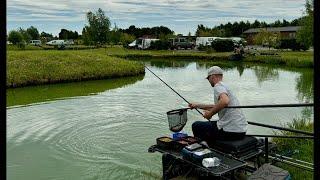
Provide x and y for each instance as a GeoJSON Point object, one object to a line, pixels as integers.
{"type": "Point", "coordinates": [144, 43]}
{"type": "Point", "coordinates": [56, 43]}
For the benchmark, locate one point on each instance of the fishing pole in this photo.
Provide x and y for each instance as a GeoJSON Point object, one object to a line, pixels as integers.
{"type": "Point", "coordinates": [250, 106]}
{"type": "Point", "coordinates": [172, 89]}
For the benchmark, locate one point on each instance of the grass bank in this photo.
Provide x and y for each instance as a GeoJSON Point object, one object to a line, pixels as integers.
{"type": "Point", "coordinates": [302, 147]}
{"type": "Point", "coordinates": [54, 66]}
{"type": "Point", "coordinates": [288, 58]}
{"type": "Point", "coordinates": [177, 54]}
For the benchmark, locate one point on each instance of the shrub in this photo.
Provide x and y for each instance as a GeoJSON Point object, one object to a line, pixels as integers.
{"type": "Point", "coordinates": [160, 45]}
{"type": "Point", "coordinates": [21, 45]}
{"type": "Point", "coordinates": [223, 45]}
{"type": "Point", "coordinates": [291, 44]}
{"type": "Point", "coordinates": [15, 37]}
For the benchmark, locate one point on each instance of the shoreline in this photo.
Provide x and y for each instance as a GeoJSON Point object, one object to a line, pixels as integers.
{"type": "Point", "coordinates": [37, 67]}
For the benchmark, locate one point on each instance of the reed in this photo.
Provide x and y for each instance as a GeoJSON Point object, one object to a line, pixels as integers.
{"type": "Point", "coordinates": [303, 148]}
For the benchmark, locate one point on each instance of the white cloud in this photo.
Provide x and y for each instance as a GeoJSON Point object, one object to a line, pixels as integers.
{"type": "Point", "coordinates": [153, 12]}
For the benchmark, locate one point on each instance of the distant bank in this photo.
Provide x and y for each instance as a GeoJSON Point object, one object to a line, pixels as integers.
{"type": "Point", "coordinates": [33, 67]}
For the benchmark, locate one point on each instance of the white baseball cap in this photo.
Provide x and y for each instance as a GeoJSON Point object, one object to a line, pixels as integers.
{"type": "Point", "coordinates": [214, 70]}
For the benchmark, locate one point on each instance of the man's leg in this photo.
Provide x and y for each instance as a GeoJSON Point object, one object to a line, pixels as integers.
{"type": "Point", "coordinates": [206, 131]}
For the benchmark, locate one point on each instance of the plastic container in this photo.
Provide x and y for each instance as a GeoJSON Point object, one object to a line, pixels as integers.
{"type": "Point", "coordinates": [179, 135]}
{"type": "Point", "coordinates": [193, 147]}
{"type": "Point", "coordinates": [165, 142]}
{"type": "Point", "coordinates": [211, 162]}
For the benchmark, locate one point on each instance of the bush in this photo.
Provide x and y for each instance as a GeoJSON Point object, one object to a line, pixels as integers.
{"type": "Point", "coordinates": [22, 45]}
{"type": "Point", "coordinates": [223, 45]}
{"type": "Point", "coordinates": [15, 37]}
{"type": "Point", "coordinates": [291, 44]}
{"type": "Point", "coordinates": [160, 45]}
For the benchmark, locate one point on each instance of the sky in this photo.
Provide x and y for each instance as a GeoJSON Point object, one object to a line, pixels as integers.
{"type": "Point", "coordinates": [181, 16]}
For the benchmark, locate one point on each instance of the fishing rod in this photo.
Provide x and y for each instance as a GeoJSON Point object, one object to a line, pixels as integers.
{"type": "Point", "coordinates": [251, 106]}
{"type": "Point", "coordinates": [172, 89]}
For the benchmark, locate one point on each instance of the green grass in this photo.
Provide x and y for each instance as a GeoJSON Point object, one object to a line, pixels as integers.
{"type": "Point", "coordinates": [185, 54]}
{"type": "Point", "coordinates": [303, 147]}
{"type": "Point", "coordinates": [33, 66]}
{"type": "Point", "coordinates": [289, 59]}
{"type": "Point", "coordinates": [11, 47]}
{"type": "Point", "coordinates": [47, 67]}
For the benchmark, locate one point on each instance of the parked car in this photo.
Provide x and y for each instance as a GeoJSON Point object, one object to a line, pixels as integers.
{"type": "Point", "coordinates": [35, 42]}
{"type": "Point", "coordinates": [181, 43]}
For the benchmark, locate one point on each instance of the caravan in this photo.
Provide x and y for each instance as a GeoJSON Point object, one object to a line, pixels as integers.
{"type": "Point", "coordinates": [205, 41]}
{"type": "Point", "coordinates": [56, 43]}
{"type": "Point", "coordinates": [143, 43]}
{"type": "Point", "coordinates": [35, 42]}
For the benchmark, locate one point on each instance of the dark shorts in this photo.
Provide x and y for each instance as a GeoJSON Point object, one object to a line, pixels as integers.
{"type": "Point", "coordinates": [209, 132]}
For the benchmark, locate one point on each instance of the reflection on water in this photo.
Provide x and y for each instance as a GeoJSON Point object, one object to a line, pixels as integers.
{"type": "Point", "coordinates": [304, 86]}
{"type": "Point", "coordinates": [36, 94]}
{"type": "Point", "coordinates": [265, 73]}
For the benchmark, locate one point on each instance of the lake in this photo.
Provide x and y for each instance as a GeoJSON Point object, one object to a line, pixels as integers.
{"type": "Point", "coordinates": [103, 129]}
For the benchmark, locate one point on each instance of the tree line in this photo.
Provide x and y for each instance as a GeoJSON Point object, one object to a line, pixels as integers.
{"type": "Point", "coordinates": [237, 28]}
{"type": "Point", "coordinates": [98, 30]}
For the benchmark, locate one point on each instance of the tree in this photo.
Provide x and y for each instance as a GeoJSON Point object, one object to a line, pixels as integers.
{"type": "Point", "coordinates": [66, 34]}
{"type": "Point", "coordinates": [305, 34]}
{"type": "Point", "coordinates": [26, 36]}
{"type": "Point", "coordinates": [126, 38]}
{"type": "Point", "coordinates": [265, 37]}
{"type": "Point", "coordinates": [45, 37]}
{"type": "Point", "coordinates": [86, 36]}
{"type": "Point", "coordinates": [15, 37]}
{"type": "Point", "coordinates": [33, 32]}
{"type": "Point", "coordinates": [98, 27]}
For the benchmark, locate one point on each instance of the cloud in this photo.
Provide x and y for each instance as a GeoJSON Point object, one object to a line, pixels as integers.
{"type": "Point", "coordinates": [150, 13]}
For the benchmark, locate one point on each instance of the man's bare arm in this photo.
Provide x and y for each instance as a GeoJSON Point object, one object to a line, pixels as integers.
{"type": "Point", "coordinates": [222, 103]}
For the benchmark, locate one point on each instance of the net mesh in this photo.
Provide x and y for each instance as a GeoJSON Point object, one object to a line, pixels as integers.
{"type": "Point", "coordinates": [177, 119]}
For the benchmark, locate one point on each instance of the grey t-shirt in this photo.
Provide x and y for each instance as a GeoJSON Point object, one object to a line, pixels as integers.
{"type": "Point", "coordinates": [230, 119]}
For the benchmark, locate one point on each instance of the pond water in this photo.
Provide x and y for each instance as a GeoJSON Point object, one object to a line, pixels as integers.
{"type": "Point", "coordinates": [102, 129]}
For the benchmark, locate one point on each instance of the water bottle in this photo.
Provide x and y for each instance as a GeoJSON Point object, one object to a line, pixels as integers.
{"type": "Point", "coordinates": [211, 162]}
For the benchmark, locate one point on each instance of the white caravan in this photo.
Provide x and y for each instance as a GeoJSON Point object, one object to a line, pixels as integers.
{"type": "Point", "coordinates": [133, 44]}
{"type": "Point", "coordinates": [35, 42]}
{"type": "Point", "coordinates": [205, 41]}
{"type": "Point", "coordinates": [144, 43]}
{"type": "Point", "coordinates": [56, 43]}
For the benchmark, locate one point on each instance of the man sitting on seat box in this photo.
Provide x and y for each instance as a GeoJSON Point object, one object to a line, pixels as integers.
{"type": "Point", "coordinates": [232, 124]}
